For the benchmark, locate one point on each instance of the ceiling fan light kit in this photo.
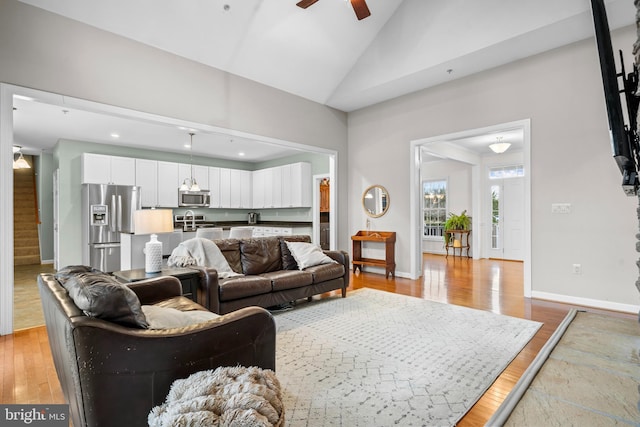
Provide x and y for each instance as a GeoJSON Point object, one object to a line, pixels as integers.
{"type": "Point", "coordinates": [359, 7]}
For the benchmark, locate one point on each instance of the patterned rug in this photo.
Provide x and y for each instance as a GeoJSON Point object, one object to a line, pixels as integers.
{"type": "Point", "coordinates": [587, 374]}
{"type": "Point", "coordinates": [382, 359]}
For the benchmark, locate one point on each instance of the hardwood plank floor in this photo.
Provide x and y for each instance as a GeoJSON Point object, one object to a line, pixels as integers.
{"type": "Point", "coordinates": [27, 374]}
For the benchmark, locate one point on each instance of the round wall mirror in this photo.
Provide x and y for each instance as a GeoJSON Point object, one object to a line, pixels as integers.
{"type": "Point", "coordinates": [375, 201]}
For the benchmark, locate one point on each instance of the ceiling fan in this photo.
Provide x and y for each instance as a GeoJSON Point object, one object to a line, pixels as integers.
{"type": "Point", "coordinates": [359, 7]}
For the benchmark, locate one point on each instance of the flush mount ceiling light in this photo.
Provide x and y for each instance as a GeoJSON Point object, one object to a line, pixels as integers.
{"type": "Point", "coordinates": [499, 147]}
{"type": "Point", "coordinates": [20, 162]}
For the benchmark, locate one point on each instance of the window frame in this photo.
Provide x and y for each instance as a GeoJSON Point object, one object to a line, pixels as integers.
{"type": "Point", "coordinates": [442, 210]}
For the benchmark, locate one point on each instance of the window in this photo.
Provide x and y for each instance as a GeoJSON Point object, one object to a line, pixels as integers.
{"type": "Point", "coordinates": [506, 172]}
{"type": "Point", "coordinates": [495, 217]}
{"type": "Point", "coordinates": [434, 207]}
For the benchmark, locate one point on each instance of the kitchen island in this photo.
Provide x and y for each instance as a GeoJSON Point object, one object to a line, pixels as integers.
{"type": "Point", "coordinates": [132, 245]}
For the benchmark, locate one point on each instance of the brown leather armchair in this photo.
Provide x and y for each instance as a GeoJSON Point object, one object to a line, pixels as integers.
{"type": "Point", "coordinates": [112, 375]}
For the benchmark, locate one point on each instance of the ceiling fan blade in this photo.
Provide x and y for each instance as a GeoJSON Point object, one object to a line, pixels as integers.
{"type": "Point", "coordinates": [360, 8]}
{"type": "Point", "coordinates": [305, 3]}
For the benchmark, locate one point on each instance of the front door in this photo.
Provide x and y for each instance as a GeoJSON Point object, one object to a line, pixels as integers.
{"type": "Point", "coordinates": [506, 190]}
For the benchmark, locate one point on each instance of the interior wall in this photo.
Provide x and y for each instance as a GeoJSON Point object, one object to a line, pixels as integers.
{"type": "Point", "coordinates": [44, 182]}
{"type": "Point", "coordinates": [561, 92]}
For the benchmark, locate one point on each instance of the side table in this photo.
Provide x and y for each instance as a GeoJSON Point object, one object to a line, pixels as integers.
{"type": "Point", "coordinates": [464, 235]}
{"type": "Point", "coordinates": [388, 238]}
{"type": "Point", "coordinates": [188, 277]}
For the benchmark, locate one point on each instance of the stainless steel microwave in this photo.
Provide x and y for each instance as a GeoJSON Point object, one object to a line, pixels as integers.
{"type": "Point", "coordinates": [188, 198]}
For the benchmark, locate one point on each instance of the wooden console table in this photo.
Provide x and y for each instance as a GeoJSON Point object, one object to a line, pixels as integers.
{"type": "Point", "coordinates": [386, 237]}
{"type": "Point", "coordinates": [452, 238]}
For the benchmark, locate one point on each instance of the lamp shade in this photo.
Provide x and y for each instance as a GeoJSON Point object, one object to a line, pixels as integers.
{"type": "Point", "coordinates": [152, 221]}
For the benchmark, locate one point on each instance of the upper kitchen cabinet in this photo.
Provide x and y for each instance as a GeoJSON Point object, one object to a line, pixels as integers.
{"type": "Point", "coordinates": [258, 188]}
{"type": "Point", "coordinates": [241, 186]}
{"type": "Point", "coordinates": [168, 184]}
{"type": "Point", "coordinates": [296, 185]}
{"type": "Point", "coordinates": [104, 169]}
{"type": "Point", "coordinates": [214, 187]}
{"type": "Point", "coordinates": [287, 186]}
{"type": "Point", "coordinates": [147, 180]}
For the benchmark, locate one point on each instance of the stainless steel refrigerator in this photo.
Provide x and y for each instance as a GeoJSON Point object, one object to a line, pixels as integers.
{"type": "Point", "coordinates": [107, 211]}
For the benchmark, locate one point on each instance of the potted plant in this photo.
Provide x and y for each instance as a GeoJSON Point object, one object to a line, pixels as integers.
{"type": "Point", "coordinates": [456, 222]}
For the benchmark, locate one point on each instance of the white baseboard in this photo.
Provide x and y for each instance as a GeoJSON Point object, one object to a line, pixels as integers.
{"type": "Point", "coordinates": [382, 271]}
{"type": "Point", "coordinates": [587, 302]}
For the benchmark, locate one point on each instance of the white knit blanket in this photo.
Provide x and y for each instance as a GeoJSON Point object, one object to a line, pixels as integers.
{"type": "Point", "coordinates": [229, 396]}
{"type": "Point", "coordinates": [202, 252]}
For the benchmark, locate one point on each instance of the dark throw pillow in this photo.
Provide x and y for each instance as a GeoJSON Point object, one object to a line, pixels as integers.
{"type": "Point", "coordinates": [69, 271]}
{"type": "Point", "coordinates": [102, 296]}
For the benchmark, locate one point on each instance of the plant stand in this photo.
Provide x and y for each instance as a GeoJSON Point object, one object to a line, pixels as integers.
{"type": "Point", "coordinates": [464, 241]}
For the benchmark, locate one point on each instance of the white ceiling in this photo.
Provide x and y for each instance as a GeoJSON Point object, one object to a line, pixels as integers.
{"type": "Point", "coordinates": [325, 54]}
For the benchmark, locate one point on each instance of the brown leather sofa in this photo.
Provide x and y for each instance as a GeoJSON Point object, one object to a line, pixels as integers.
{"type": "Point", "coordinates": [113, 375]}
{"type": "Point", "coordinates": [270, 275]}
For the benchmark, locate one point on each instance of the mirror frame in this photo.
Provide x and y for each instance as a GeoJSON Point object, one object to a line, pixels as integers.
{"type": "Point", "coordinates": [386, 208]}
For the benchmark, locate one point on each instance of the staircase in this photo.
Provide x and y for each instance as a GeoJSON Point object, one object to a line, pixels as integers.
{"type": "Point", "coordinates": [26, 245]}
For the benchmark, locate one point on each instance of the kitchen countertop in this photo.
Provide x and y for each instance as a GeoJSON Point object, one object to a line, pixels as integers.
{"type": "Point", "coordinates": [228, 224]}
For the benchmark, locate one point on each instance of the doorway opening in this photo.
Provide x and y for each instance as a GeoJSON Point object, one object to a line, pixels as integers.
{"type": "Point", "coordinates": [8, 96]}
{"type": "Point", "coordinates": [471, 148]}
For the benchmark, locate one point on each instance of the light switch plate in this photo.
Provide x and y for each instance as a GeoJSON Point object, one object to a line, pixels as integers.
{"type": "Point", "coordinates": [561, 208]}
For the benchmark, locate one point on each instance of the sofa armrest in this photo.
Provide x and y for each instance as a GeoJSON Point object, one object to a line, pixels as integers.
{"type": "Point", "coordinates": [150, 291]}
{"type": "Point", "coordinates": [208, 295]}
{"type": "Point", "coordinates": [122, 362]}
{"type": "Point", "coordinates": [343, 258]}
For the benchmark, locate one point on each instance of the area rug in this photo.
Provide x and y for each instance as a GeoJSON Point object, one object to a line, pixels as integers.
{"type": "Point", "coordinates": [382, 359]}
{"type": "Point", "coordinates": [586, 374]}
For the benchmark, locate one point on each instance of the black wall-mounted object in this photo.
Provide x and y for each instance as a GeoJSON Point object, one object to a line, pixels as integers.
{"type": "Point", "coordinates": [624, 137]}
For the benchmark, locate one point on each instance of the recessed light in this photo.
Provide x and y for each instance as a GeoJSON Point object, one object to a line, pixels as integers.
{"type": "Point", "coordinates": [241, 154]}
{"type": "Point", "coordinates": [115, 135]}
{"type": "Point", "coordinates": [187, 145]}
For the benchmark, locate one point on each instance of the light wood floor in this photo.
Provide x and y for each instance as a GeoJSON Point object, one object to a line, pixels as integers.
{"type": "Point", "coordinates": [28, 375]}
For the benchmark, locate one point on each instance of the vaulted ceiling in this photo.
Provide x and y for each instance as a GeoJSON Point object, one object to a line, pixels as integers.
{"type": "Point", "coordinates": [323, 53]}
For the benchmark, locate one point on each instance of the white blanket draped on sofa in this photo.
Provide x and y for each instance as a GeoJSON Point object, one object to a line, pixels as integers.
{"type": "Point", "coordinates": [202, 252]}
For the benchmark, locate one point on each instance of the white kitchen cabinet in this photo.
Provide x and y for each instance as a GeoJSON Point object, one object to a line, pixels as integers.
{"type": "Point", "coordinates": [287, 186]}
{"type": "Point", "coordinates": [261, 231]}
{"type": "Point", "coordinates": [299, 187]}
{"type": "Point", "coordinates": [268, 187]}
{"type": "Point", "coordinates": [147, 180]}
{"type": "Point", "coordinates": [246, 190]}
{"type": "Point", "coordinates": [168, 178]}
{"type": "Point", "coordinates": [225, 188]}
{"type": "Point", "coordinates": [214, 187]}
{"type": "Point", "coordinates": [105, 169]}
{"type": "Point", "coordinates": [240, 189]}
{"type": "Point", "coordinates": [258, 186]}
{"type": "Point", "coordinates": [276, 187]}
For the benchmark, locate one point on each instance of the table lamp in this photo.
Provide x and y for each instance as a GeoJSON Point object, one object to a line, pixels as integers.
{"type": "Point", "coordinates": [153, 221]}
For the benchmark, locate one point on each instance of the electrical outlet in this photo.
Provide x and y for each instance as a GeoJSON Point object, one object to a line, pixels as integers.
{"type": "Point", "coordinates": [577, 268]}
{"type": "Point", "coordinates": [561, 208]}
